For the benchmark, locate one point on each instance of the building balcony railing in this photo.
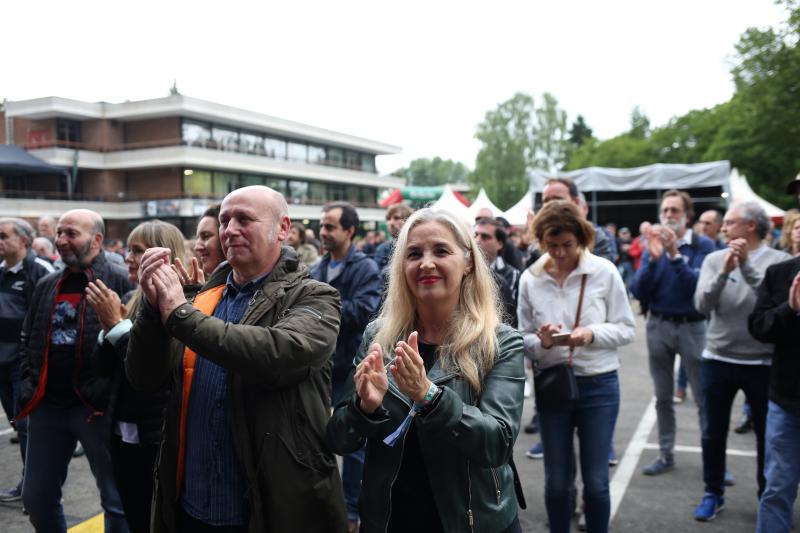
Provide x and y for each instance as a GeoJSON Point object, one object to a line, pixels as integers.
{"type": "Point", "coordinates": [210, 144]}
{"type": "Point", "coordinates": [147, 197]}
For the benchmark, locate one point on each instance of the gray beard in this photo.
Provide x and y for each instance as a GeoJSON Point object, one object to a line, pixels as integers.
{"type": "Point", "coordinates": [677, 227]}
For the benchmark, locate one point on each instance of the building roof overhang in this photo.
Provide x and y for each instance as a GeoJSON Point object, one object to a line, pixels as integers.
{"type": "Point", "coordinates": [195, 108]}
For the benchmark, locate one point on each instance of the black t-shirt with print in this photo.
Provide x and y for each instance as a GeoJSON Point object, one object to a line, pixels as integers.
{"type": "Point", "coordinates": [64, 338]}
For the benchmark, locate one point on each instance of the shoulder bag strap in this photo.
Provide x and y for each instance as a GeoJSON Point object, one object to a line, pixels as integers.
{"type": "Point", "coordinates": [578, 314]}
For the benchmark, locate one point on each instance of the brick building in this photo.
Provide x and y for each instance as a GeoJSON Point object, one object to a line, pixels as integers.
{"type": "Point", "coordinates": [172, 157]}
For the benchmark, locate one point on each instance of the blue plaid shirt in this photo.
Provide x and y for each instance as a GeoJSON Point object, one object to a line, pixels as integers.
{"type": "Point", "coordinates": [213, 490]}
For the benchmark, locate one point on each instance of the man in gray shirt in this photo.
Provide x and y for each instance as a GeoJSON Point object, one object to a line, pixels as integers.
{"type": "Point", "coordinates": [732, 359]}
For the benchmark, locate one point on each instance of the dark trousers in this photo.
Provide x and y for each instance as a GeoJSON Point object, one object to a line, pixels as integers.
{"type": "Point", "coordinates": [133, 466]}
{"type": "Point", "coordinates": [10, 380]}
{"type": "Point", "coordinates": [721, 381]}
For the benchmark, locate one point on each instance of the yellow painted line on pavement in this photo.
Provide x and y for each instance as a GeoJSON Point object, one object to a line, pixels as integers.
{"type": "Point", "coordinates": [93, 525]}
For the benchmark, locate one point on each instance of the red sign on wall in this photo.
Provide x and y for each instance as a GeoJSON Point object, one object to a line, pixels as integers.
{"type": "Point", "coordinates": [37, 138]}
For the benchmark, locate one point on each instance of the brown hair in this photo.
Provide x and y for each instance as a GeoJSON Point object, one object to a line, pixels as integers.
{"type": "Point", "coordinates": [561, 216]}
{"type": "Point", "coordinates": [402, 210]}
{"type": "Point", "coordinates": [688, 205]}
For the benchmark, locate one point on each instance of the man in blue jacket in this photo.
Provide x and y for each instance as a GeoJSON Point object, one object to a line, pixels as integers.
{"type": "Point", "coordinates": [358, 281]}
{"type": "Point", "coordinates": [665, 283]}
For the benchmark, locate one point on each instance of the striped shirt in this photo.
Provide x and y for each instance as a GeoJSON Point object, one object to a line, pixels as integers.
{"type": "Point", "coordinates": [213, 491]}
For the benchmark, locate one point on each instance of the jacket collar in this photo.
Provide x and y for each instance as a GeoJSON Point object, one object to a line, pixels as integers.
{"type": "Point", "coordinates": [287, 269]}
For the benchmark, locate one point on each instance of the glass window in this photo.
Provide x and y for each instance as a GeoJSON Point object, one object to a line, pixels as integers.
{"type": "Point", "coordinates": [275, 147]}
{"type": "Point", "coordinates": [336, 192]}
{"type": "Point", "coordinates": [335, 157]}
{"type": "Point", "coordinates": [298, 192]}
{"type": "Point", "coordinates": [68, 130]}
{"type": "Point", "coordinates": [352, 161]}
{"type": "Point", "coordinates": [195, 133]}
{"type": "Point", "coordinates": [252, 179]}
{"type": "Point", "coordinates": [198, 183]}
{"type": "Point", "coordinates": [297, 152]}
{"type": "Point", "coordinates": [278, 184]}
{"type": "Point", "coordinates": [225, 182]}
{"type": "Point", "coordinates": [368, 163]}
{"type": "Point", "coordinates": [225, 139]}
{"type": "Point", "coordinates": [353, 194]}
{"type": "Point", "coordinates": [250, 143]}
{"type": "Point", "coordinates": [319, 193]}
{"type": "Point", "coordinates": [316, 155]}
{"type": "Point", "coordinates": [369, 196]}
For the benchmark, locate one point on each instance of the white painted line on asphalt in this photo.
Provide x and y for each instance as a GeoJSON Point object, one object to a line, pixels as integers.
{"type": "Point", "coordinates": [627, 466]}
{"type": "Point", "coordinates": [698, 449]}
{"type": "Point", "coordinates": [6, 431]}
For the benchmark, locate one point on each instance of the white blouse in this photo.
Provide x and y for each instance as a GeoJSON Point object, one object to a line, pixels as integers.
{"type": "Point", "coordinates": [606, 311]}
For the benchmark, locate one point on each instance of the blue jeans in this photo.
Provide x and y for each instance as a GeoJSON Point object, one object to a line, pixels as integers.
{"type": "Point", "coordinates": [782, 470]}
{"type": "Point", "coordinates": [594, 419]}
{"type": "Point", "coordinates": [53, 433]}
{"type": "Point", "coordinates": [721, 382]}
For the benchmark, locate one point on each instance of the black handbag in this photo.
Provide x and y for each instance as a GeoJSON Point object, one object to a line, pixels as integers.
{"type": "Point", "coordinates": [555, 387]}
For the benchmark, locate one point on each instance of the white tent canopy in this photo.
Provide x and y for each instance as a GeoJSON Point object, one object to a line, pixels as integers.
{"type": "Point", "coordinates": [517, 215]}
{"type": "Point", "coordinates": [741, 192]}
{"type": "Point", "coordinates": [658, 176]}
{"type": "Point", "coordinates": [482, 202]}
{"type": "Point", "coordinates": [448, 202]}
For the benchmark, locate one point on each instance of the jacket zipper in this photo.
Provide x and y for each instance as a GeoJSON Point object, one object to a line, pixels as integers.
{"type": "Point", "coordinates": [496, 485]}
{"type": "Point", "coordinates": [396, 473]}
{"type": "Point", "coordinates": [79, 353]}
{"type": "Point", "coordinates": [470, 518]}
{"type": "Point", "coordinates": [310, 311]}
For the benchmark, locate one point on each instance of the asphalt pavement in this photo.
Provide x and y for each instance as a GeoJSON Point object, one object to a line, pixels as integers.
{"type": "Point", "coordinates": [639, 503]}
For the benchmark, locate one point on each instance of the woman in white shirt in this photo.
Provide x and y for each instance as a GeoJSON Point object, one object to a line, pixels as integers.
{"type": "Point", "coordinates": [549, 292]}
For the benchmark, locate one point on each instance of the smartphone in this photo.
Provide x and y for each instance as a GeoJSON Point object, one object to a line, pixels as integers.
{"type": "Point", "coordinates": [561, 338]}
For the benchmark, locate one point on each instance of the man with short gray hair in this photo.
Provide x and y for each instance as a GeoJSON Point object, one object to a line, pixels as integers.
{"type": "Point", "coordinates": [20, 269]}
{"type": "Point", "coordinates": [732, 359]}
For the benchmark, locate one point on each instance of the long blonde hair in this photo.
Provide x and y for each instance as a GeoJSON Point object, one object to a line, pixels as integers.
{"type": "Point", "coordinates": [156, 233]}
{"type": "Point", "coordinates": [471, 341]}
{"type": "Point", "coordinates": [789, 219]}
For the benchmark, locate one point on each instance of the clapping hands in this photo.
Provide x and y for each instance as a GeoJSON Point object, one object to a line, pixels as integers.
{"type": "Point", "coordinates": [160, 282]}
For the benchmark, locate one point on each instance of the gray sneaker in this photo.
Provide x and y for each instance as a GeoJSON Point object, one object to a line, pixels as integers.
{"type": "Point", "coordinates": [659, 466]}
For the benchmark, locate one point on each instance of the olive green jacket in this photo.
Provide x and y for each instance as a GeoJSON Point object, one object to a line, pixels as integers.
{"type": "Point", "coordinates": [467, 442]}
{"type": "Point", "coordinates": [278, 362]}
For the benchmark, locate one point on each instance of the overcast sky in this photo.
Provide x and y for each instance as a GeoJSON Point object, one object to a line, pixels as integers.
{"type": "Point", "coordinates": [416, 74]}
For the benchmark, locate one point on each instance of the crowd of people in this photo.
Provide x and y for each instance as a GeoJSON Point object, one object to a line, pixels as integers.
{"type": "Point", "coordinates": [211, 383]}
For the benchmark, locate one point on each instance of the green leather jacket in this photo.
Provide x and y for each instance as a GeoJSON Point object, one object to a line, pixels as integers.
{"type": "Point", "coordinates": [467, 442]}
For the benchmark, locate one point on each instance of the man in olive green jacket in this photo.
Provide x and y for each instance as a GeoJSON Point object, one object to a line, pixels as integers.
{"type": "Point", "coordinates": [243, 438]}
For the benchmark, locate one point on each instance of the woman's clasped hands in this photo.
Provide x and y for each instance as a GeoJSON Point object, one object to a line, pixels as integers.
{"type": "Point", "coordinates": [407, 368]}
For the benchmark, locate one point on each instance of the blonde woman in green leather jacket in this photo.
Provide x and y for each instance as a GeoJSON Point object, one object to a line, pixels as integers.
{"type": "Point", "coordinates": [436, 391]}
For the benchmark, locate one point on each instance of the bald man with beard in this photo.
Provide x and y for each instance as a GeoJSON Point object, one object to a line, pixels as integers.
{"type": "Point", "coordinates": [62, 398]}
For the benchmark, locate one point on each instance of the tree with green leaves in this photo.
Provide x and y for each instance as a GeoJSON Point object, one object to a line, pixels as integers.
{"type": "Point", "coordinates": [580, 132]}
{"type": "Point", "coordinates": [762, 130]}
{"type": "Point", "coordinates": [515, 137]}
{"type": "Point", "coordinates": [433, 172]}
